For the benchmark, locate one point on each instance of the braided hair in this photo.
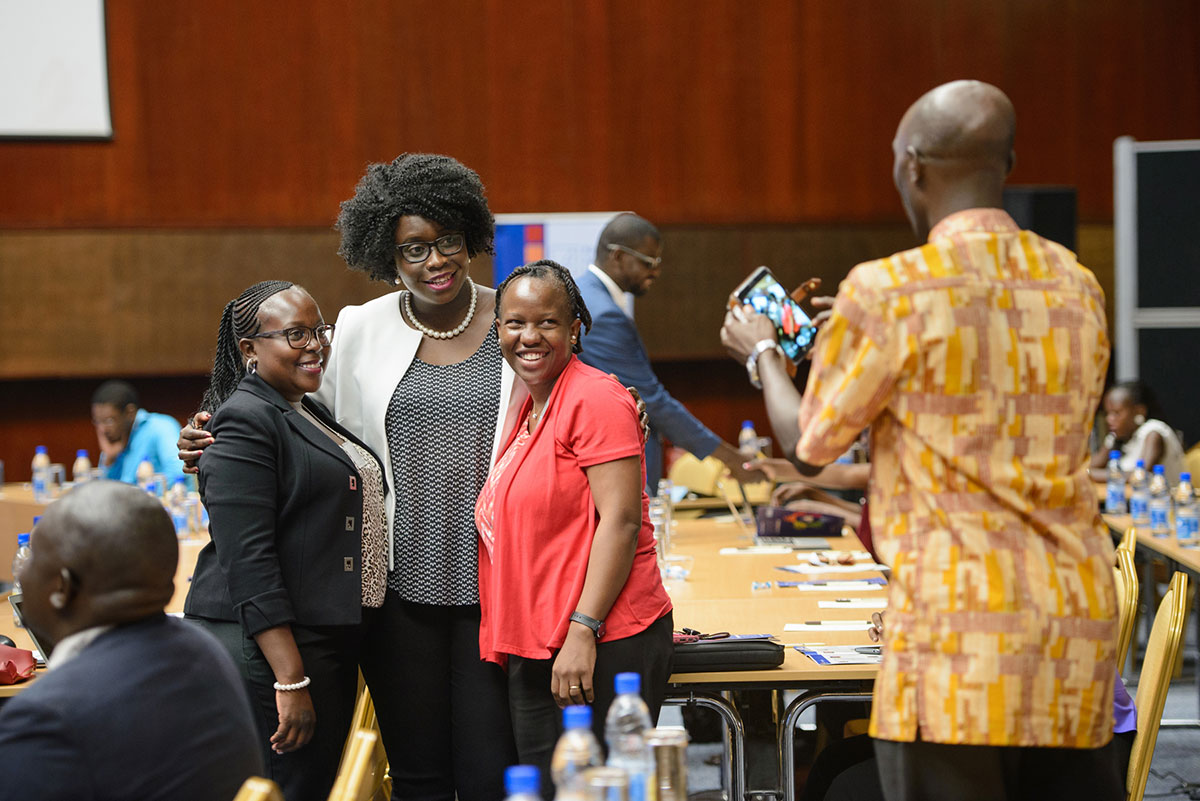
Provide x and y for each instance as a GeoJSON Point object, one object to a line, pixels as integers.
{"type": "Point", "coordinates": [552, 270]}
{"type": "Point", "coordinates": [438, 188]}
{"type": "Point", "coordinates": [240, 319]}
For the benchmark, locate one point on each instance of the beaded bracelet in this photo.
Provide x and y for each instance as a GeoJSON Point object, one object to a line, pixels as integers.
{"type": "Point", "coordinates": [300, 685]}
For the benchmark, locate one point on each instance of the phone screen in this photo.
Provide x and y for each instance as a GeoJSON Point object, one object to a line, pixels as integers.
{"type": "Point", "coordinates": [766, 295]}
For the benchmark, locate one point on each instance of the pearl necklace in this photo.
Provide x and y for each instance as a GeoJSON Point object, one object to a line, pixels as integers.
{"type": "Point", "coordinates": [429, 332]}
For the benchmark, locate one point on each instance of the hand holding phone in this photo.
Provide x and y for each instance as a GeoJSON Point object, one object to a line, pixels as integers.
{"type": "Point", "coordinates": [793, 327]}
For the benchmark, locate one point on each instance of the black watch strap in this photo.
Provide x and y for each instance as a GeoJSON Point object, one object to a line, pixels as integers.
{"type": "Point", "coordinates": [597, 626]}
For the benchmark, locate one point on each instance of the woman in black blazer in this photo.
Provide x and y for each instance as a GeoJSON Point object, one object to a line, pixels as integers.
{"type": "Point", "coordinates": [298, 547]}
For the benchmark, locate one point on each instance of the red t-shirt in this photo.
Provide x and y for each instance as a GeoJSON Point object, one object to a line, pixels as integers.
{"type": "Point", "coordinates": [544, 521]}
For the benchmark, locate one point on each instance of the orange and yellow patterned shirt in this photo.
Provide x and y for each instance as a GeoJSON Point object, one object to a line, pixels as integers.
{"type": "Point", "coordinates": [978, 360]}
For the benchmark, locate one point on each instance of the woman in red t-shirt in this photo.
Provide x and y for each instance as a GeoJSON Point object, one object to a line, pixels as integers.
{"type": "Point", "coordinates": [569, 587]}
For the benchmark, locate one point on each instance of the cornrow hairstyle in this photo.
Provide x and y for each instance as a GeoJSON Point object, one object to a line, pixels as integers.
{"type": "Point", "coordinates": [438, 188]}
{"type": "Point", "coordinates": [238, 320]}
{"type": "Point", "coordinates": [552, 270]}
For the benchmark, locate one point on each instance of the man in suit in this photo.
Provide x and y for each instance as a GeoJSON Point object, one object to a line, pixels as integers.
{"type": "Point", "coordinates": [628, 257]}
{"type": "Point", "coordinates": [135, 704]}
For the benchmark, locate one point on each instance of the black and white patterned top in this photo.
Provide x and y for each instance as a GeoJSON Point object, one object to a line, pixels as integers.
{"type": "Point", "coordinates": [440, 425]}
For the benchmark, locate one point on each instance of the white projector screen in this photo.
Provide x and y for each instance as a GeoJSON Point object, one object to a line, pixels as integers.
{"type": "Point", "coordinates": [53, 70]}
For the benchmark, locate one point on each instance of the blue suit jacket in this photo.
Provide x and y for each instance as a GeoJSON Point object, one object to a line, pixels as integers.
{"type": "Point", "coordinates": [150, 710]}
{"type": "Point", "coordinates": [613, 345]}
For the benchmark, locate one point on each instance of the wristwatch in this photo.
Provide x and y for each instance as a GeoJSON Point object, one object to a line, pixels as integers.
{"type": "Point", "coordinates": [760, 347]}
{"type": "Point", "coordinates": [597, 626]}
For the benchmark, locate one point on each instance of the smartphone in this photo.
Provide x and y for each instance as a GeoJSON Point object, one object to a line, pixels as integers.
{"type": "Point", "coordinates": [766, 295]}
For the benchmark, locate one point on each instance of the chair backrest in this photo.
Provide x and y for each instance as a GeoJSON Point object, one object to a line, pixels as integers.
{"type": "Point", "coordinates": [257, 789]}
{"type": "Point", "coordinates": [1127, 601]}
{"type": "Point", "coordinates": [363, 768]}
{"type": "Point", "coordinates": [1166, 640]}
{"type": "Point", "coordinates": [1129, 540]}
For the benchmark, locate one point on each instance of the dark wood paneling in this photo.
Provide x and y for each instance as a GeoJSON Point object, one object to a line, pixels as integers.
{"type": "Point", "coordinates": [264, 114]}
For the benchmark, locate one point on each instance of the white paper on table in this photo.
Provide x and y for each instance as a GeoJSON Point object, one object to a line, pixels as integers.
{"type": "Point", "coordinates": [831, 557]}
{"type": "Point", "coordinates": [755, 550]}
{"type": "Point", "coordinates": [841, 655]}
{"type": "Point", "coordinates": [830, 625]}
{"type": "Point", "coordinates": [812, 569]}
{"type": "Point", "coordinates": [839, 586]}
{"type": "Point", "coordinates": [854, 603]}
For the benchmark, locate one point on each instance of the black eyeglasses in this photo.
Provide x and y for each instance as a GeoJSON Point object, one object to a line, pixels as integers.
{"type": "Point", "coordinates": [417, 252]}
{"type": "Point", "coordinates": [299, 336]}
{"type": "Point", "coordinates": [650, 261]}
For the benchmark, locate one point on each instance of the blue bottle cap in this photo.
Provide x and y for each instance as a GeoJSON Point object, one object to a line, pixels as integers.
{"type": "Point", "coordinates": [628, 683]}
{"type": "Point", "coordinates": [1159, 469]}
{"type": "Point", "coordinates": [22, 539]}
{"type": "Point", "coordinates": [1141, 463]}
{"type": "Point", "coordinates": [179, 480]}
{"type": "Point", "coordinates": [1114, 455]}
{"type": "Point", "coordinates": [577, 717]}
{"type": "Point", "coordinates": [81, 453]}
{"type": "Point", "coordinates": [36, 518]}
{"type": "Point", "coordinates": [747, 424]}
{"type": "Point", "coordinates": [522, 780]}
{"type": "Point", "coordinates": [1185, 477]}
{"type": "Point", "coordinates": [40, 449]}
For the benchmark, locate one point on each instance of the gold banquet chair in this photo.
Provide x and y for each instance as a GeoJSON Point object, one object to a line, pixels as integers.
{"type": "Point", "coordinates": [1125, 575]}
{"type": "Point", "coordinates": [1162, 650]}
{"type": "Point", "coordinates": [379, 785]}
{"type": "Point", "coordinates": [1129, 540]}
{"type": "Point", "coordinates": [363, 769]}
{"type": "Point", "coordinates": [257, 789]}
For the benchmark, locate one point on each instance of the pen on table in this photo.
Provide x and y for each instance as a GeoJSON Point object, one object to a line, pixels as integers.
{"type": "Point", "coordinates": [868, 649]}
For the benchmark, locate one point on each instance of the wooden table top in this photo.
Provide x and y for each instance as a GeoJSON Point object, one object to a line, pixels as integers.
{"type": "Point", "coordinates": [719, 595]}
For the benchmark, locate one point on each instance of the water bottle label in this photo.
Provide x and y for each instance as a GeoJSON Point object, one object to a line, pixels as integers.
{"type": "Point", "coordinates": [1158, 519]}
{"type": "Point", "coordinates": [637, 786]}
{"type": "Point", "coordinates": [1138, 507]}
{"type": "Point", "coordinates": [1114, 501]}
{"type": "Point", "coordinates": [1186, 528]}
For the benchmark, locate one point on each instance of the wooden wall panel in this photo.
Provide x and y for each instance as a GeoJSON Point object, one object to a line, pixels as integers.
{"type": "Point", "coordinates": [264, 114]}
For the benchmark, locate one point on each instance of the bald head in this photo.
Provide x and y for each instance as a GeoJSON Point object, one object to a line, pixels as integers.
{"type": "Point", "coordinates": [103, 554]}
{"type": "Point", "coordinates": [953, 150]}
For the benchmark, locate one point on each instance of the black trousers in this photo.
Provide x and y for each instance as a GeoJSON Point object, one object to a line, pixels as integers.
{"type": "Point", "coordinates": [537, 719]}
{"type": "Point", "coordinates": [443, 712]}
{"type": "Point", "coordinates": [934, 771]}
{"type": "Point", "coordinates": [330, 656]}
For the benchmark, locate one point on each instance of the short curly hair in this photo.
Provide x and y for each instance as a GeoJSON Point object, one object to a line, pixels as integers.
{"type": "Point", "coordinates": [438, 188]}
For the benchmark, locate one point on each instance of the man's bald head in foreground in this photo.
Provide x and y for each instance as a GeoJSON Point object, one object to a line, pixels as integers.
{"type": "Point", "coordinates": [104, 554]}
{"type": "Point", "coordinates": [953, 150]}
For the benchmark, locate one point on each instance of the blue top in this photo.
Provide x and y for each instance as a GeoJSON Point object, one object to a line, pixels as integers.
{"type": "Point", "coordinates": [153, 437]}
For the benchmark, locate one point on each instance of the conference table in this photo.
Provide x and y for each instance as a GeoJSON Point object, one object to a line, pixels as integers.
{"type": "Point", "coordinates": [739, 593]}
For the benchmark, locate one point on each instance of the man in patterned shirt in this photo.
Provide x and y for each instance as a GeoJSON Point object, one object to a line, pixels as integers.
{"type": "Point", "coordinates": [978, 361]}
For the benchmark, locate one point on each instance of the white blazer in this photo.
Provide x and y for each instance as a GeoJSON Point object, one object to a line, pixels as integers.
{"type": "Point", "coordinates": [372, 349]}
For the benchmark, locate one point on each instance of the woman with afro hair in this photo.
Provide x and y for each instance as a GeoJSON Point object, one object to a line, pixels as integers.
{"type": "Point", "coordinates": [417, 374]}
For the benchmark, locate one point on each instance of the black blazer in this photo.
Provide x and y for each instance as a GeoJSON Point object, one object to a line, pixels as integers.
{"type": "Point", "coordinates": [285, 513]}
{"type": "Point", "coordinates": [153, 710]}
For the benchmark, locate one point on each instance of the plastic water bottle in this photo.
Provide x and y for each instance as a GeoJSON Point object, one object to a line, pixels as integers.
{"type": "Point", "coordinates": [576, 751]}
{"type": "Point", "coordinates": [1187, 513]}
{"type": "Point", "coordinates": [1139, 498]}
{"type": "Point", "coordinates": [1114, 495]}
{"type": "Point", "coordinates": [748, 440]}
{"type": "Point", "coordinates": [41, 474]}
{"type": "Point", "coordinates": [176, 503]}
{"type": "Point", "coordinates": [523, 783]}
{"type": "Point", "coordinates": [19, 560]}
{"type": "Point", "coordinates": [81, 470]}
{"type": "Point", "coordinates": [145, 474]}
{"type": "Point", "coordinates": [1160, 503]}
{"type": "Point", "coordinates": [627, 721]}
